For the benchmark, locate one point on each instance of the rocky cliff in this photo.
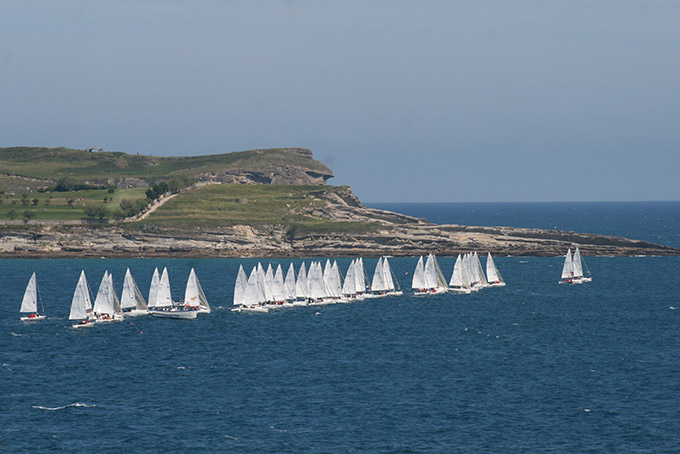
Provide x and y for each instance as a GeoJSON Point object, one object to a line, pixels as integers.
{"type": "Point", "coordinates": [396, 235]}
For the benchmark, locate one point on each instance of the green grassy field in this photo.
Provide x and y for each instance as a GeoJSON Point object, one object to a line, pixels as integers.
{"type": "Point", "coordinates": [53, 163]}
{"type": "Point", "coordinates": [54, 205]}
{"type": "Point", "coordinates": [256, 205]}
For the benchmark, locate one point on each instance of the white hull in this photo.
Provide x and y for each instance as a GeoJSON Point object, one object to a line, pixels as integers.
{"type": "Point", "coordinates": [83, 325]}
{"type": "Point", "coordinates": [497, 284]}
{"type": "Point", "coordinates": [300, 303]}
{"type": "Point", "coordinates": [460, 291]}
{"type": "Point", "coordinates": [135, 313]}
{"type": "Point", "coordinates": [322, 302]}
{"type": "Point", "coordinates": [437, 291]}
{"type": "Point", "coordinates": [113, 318]}
{"type": "Point", "coordinates": [252, 309]}
{"type": "Point", "coordinates": [33, 319]}
{"type": "Point", "coordinates": [174, 313]}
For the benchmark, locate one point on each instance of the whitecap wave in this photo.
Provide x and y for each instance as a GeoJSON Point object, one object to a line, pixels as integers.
{"type": "Point", "coordinates": [74, 404]}
{"type": "Point", "coordinates": [17, 335]}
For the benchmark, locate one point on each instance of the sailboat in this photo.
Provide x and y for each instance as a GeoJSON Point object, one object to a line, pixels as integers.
{"type": "Point", "coordinates": [240, 286]}
{"type": "Point", "coordinates": [253, 296]}
{"type": "Point", "coordinates": [106, 305]}
{"type": "Point", "coordinates": [81, 305]}
{"type": "Point", "coordinates": [493, 276]}
{"type": "Point", "coordinates": [194, 296]}
{"type": "Point", "coordinates": [29, 304]}
{"type": "Point", "coordinates": [428, 279]}
{"type": "Point", "coordinates": [572, 270]}
{"type": "Point", "coordinates": [153, 289]}
{"type": "Point", "coordinates": [164, 307]}
{"type": "Point", "coordinates": [578, 264]}
{"type": "Point", "coordinates": [383, 282]}
{"type": "Point", "coordinates": [131, 300]}
{"type": "Point", "coordinates": [301, 287]}
{"type": "Point", "coordinates": [460, 282]}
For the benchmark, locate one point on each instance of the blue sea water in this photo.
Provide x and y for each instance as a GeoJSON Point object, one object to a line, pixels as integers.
{"type": "Point", "coordinates": [534, 367]}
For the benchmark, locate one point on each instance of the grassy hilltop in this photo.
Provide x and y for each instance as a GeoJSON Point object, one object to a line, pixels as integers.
{"type": "Point", "coordinates": [34, 167]}
{"type": "Point", "coordinates": [32, 182]}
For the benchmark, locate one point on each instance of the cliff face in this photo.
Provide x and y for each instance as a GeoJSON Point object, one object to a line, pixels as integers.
{"type": "Point", "coordinates": [293, 170]}
{"type": "Point", "coordinates": [397, 235]}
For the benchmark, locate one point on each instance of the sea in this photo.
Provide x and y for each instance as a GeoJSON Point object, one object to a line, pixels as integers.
{"type": "Point", "coordinates": [533, 367]}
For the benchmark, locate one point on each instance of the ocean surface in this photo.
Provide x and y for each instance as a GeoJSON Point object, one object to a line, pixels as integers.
{"type": "Point", "coordinates": [534, 367]}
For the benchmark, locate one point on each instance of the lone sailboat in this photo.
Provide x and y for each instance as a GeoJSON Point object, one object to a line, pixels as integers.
{"type": "Point", "coordinates": [29, 304]}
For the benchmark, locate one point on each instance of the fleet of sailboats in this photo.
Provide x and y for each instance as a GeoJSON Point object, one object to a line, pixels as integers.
{"type": "Point", "coordinates": [261, 290]}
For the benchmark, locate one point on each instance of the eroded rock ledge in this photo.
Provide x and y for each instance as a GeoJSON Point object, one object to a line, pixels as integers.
{"type": "Point", "coordinates": [399, 235]}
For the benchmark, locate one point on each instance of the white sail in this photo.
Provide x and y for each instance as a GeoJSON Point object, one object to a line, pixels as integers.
{"type": "Point", "coordinates": [387, 275]}
{"type": "Point", "coordinates": [460, 278]}
{"type": "Point", "coordinates": [164, 297]}
{"type": "Point", "coordinates": [193, 294]}
{"type": "Point", "coordinates": [418, 281]}
{"type": "Point", "coordinates": [131, 298]}
{"type": "Point", "coordinates": [289, 283]}
{"type": "Point", "coordinates": [315, 280]}
{"type": "Point", "coordinates": [253, 293]}
{"type": "Point", "coordinates": [567, 268]}
{"type": "Point", "coordinates": [153, 289]}
{"type": "Point", "coordinates": [481, 278]}
{"type": "Point", "coordinates": [360, 276]}
{"type": "Point", "coordinates": [433, 274]}
{"type": "Point", "coordinates": [265, 283]}
{"type": "Point", "coordinates": [349, 286]}
{"type": "Point", "coordinates": [30, 301]}
{"type": "Point", "coordinates": [103, 304]}
{"type": "Point", "coordinates": [113, 298]}
{"type": "Point", "coordinates": [278, 288]}
{"type": "Point", "coordinates": [576, 264]}
{"type": "Point", "coordinates": [336, 280]}
{"type": "Point", "coordinates": [492, 273]}
{"type": "Point", "coordinates": [81, 303]}
{"type": "Point", "coordinates": [240, 286]}
{"type": "Point", "coordinates": [301, 288]}
{"type": "Point", "coordinates": [378, 281]}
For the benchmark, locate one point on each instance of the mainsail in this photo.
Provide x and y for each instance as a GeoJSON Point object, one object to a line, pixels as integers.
{"type": "Point", "coordinates": [30, 301]}
{"type": "Point", "coordinates": [81, 303]}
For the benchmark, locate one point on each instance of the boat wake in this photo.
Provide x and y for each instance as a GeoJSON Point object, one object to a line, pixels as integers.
{"type": "Point", "coordinates": [74, 404]}
{"type": "Point", "coordinates": [17, 335]}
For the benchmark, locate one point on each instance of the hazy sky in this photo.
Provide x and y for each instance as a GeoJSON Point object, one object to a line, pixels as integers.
{"type": "Point", "coordinates": [405, 100]}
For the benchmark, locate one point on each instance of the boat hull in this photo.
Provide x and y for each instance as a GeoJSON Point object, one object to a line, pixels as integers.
{"type": "Point", "coordinates": [175, 313]}
{"type": "Point", "coordinates": [32, 319]}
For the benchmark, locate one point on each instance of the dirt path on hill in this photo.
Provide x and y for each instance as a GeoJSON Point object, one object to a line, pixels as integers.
{"type": "Point", "coordinates": [155, 206]}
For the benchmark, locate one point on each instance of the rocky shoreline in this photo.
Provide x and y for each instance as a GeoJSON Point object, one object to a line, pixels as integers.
{"type": "Point", "coordinates": [398, 235]}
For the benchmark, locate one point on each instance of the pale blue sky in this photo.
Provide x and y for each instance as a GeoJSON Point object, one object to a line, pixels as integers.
{"type": "Point", "coordinates": [405, 100]}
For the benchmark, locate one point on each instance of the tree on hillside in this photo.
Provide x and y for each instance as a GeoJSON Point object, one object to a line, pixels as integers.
{"type": "Point", "coordinates": [24, 199]}
{"type": "Point", "coordinates": [28, 215]}
{"type": "Point", "coordinates": [65, 184]}
{"type": "Point", "coordinates": [96, 212]}
{"type": "Point", "coordinates": [11, 214]}
{"type": "Point", "coordinates": [36, 202]}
